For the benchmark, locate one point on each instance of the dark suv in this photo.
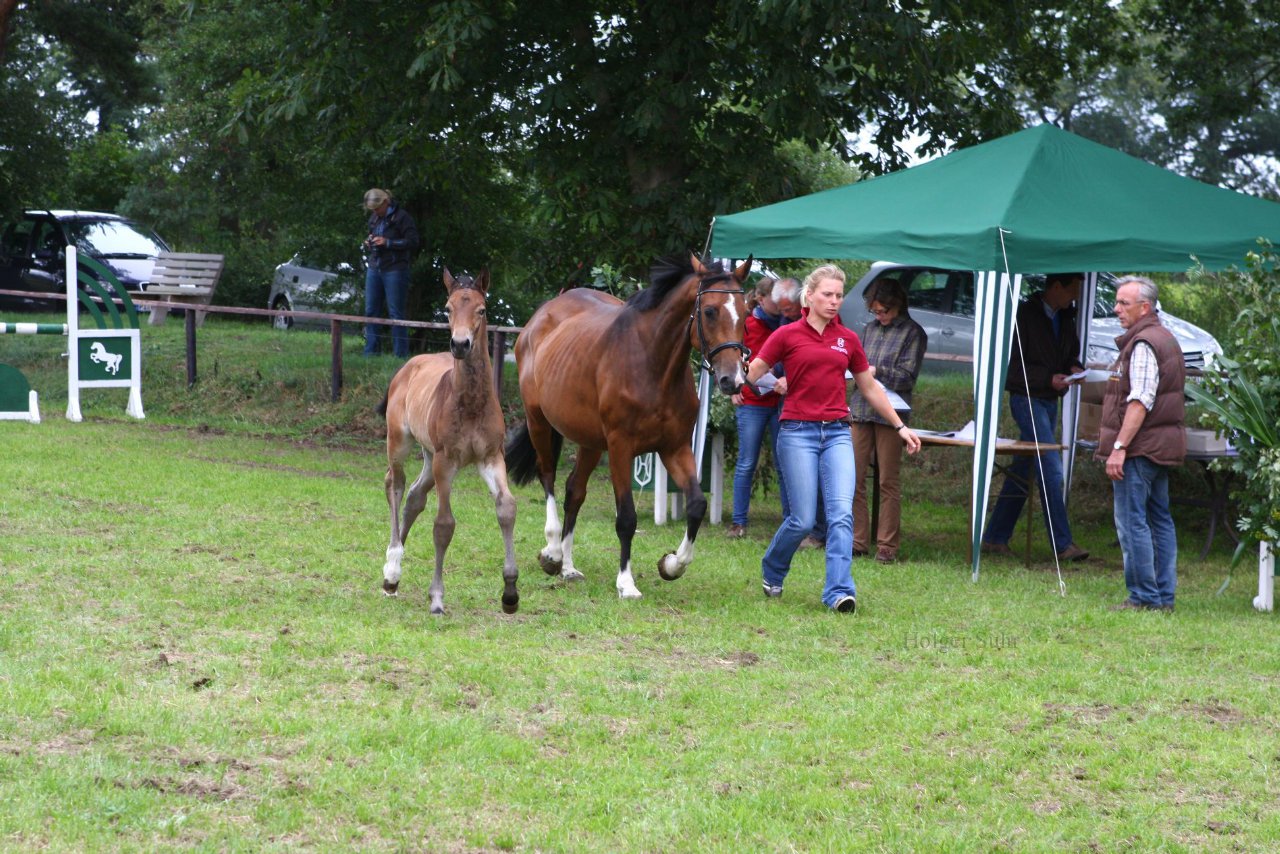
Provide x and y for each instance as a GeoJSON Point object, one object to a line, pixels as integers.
{"type": "Point", "coordinates": [33, 251]}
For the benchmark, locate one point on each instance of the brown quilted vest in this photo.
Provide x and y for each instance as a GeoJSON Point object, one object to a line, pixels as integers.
{"type": "Point", "coordinates": [1162, 438]}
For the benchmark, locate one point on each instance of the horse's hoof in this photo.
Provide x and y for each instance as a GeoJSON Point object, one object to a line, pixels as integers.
{"type": "Point", "coordinates": [510, 604]}
{"type": "Point", "coordinates": [572, 575]}
{"type": "Point", "coordinates": [390, 588]}
{"type": "Point", "coordinates": [437, 610]}
{"type": "Point", "coordinates": [632, 593]}
{"type": "Point", "coordinates": [549, 565]}
{"type": "Point", "coordinates": [669, 568]}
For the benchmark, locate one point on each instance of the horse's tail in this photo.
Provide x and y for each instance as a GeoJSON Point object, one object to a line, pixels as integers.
{"type": "Point", "coordinates": [522, 457]}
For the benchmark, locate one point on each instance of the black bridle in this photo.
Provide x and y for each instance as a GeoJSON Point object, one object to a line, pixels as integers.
{"type": "Point", "coordinates": [703, 288]}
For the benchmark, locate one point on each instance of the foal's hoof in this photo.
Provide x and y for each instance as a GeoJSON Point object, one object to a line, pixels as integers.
{"type": "Point", "coordinates": [510, 603]}
{"type": "Point", "coordinates": [550, 565]}
{"type": "Point", "coordinates": [390, 588]}
{"type": "Point", "coordinates": [437, 610]}
{"type": "Point", "coordinates": [669, 568]}
{"type": "Point", "coordinates": [571, 575]}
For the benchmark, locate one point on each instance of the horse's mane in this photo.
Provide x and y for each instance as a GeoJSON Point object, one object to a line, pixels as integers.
{"type": "Point", "coordinates": [667, 273]}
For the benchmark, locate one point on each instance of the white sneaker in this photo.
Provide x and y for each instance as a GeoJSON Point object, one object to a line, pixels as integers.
{"type": "Point", "coordinates": [772, 591]}
{"type": "Point", "coordinates": [845, 605]}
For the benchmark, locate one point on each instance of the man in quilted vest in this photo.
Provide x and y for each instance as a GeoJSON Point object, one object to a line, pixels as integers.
{"type": "Point", "coordinates": [1142, 435]}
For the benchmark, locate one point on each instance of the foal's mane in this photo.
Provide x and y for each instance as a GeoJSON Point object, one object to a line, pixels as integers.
{"type": "Point", "coordinates": [666, 274]}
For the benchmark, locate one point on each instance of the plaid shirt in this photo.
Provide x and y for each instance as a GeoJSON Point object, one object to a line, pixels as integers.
{"type": "Point", "coordinates": [1144, 375]}
{"type": "Point", "coordinates": [896, 350]}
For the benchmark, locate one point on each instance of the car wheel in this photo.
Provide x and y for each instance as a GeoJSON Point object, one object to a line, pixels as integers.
{"type": "Point", "coordinates": [280, 321]}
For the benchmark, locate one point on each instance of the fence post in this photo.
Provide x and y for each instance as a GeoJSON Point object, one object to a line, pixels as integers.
{"type": "Point", "coordinates": [189, 317]}
{"type": "Point", "coordinates": [335, 349]}
{"type": "Point", "coordinates": [497, 356]}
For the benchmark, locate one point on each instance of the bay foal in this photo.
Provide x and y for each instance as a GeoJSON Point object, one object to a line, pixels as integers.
{"type": "Point", "coordinates": [447, 404]}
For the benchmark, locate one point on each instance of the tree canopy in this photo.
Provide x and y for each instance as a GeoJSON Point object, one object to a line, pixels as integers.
{"type": "Point", "coordinates": [545, 139]}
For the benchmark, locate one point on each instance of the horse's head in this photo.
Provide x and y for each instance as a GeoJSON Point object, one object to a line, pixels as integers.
{"type": "Point", "coordinates": [719, 313]}
{"type": "Point", "coordinates": [466, 310]}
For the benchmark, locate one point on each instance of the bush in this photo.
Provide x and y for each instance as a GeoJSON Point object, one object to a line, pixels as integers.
{"type": "Point", "coordinates": [1242, 398]}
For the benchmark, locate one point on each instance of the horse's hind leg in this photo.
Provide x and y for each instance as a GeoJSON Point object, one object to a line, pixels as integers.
{"type": "Point", "coordinates": [417, 497]}
{"type": "Point", "coordinates": [391, 570]}
{"type": "Point", "coordinates": [575, 492]}
{"type": "Point", "coordinates": [494, 472]}
{"type": "Point", "coordinates": [680, 465]}
{"type": "Point", "coordinates": [394, 484]}
{"type": "Point", "coordinates": [543, 438]}
{"type": "Point", "coordinates": [444, 526]}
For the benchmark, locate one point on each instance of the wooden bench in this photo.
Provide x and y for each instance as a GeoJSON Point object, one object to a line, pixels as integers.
{"type": "Point", "coordinates": [184, 278]}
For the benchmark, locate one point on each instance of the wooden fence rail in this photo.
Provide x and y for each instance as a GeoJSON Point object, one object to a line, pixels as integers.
{"type": "Point", "coordinates": [499, 336]}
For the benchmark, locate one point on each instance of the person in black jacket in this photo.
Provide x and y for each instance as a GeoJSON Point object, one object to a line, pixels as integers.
{"type": "Point", "coordinates": [1046, 349]}
{"type": "Point", "coordinates": [393, 237]}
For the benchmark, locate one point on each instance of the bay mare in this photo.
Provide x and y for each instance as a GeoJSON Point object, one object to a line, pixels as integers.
{"type": "Point", "coordinates": [614, 376]}
{"type": "Point", "coordinates": [447, 404]}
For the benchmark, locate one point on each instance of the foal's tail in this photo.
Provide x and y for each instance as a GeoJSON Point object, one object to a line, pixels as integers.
{"type": "Point", "coordinates": [522, 457]}
{"type": "Point", "coordinates": [381, 408]}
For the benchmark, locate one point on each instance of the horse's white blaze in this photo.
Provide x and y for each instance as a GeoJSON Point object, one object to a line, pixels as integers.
{"type": "Point", "coordinates": [626, 584]}
{"type": "Point", "coordinates": [391, 569]}
{"type": "Point", "coordinates": [732, 309]}
{"type": "Point", "coordinates": [552, 530]}
{"type": "Point", "coordinates": [568, 571]}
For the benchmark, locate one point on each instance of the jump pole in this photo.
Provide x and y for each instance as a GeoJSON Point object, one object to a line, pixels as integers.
{"type": "Point", "coordinates": [13, 383]}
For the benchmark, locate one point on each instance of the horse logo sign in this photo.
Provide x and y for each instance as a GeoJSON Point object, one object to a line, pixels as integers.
{"type": "Point", "coordinates": [104, 358]}
{"type": "Point", "coordinates": [98, 353]}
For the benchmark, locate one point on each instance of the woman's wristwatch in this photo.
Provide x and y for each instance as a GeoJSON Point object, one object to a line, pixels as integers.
{"type": "Point", "coordinates": [900, 426]}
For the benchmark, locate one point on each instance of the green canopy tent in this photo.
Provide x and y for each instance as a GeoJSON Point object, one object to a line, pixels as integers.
{"type": "Point", "coordinates": [1037, 201]}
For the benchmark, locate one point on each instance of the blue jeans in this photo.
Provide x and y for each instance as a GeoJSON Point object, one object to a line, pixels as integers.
{"type": "Point", "coordinates": [752, 422]}
{"type": "Point", "coordinates": [1013, 494]}
{"type": "Point", "coordinates": [1145, 527]}
{"type": "Point", "coordinates": [815, 455]}
{"type": "Point", "coordinates": [385, 290]}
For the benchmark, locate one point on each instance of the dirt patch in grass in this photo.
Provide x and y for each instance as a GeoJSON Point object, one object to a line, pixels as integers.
{"type": "Point", "coordinates": [1092, 713]}
{"type": "Point", "coordinates": [280, 467]}
{"type": "Point", "coordinates": [195, 786]}
{"type": "Point", "coordinates": [63, 744]}
{"type": "Point", "coordinates": [1212, 710]}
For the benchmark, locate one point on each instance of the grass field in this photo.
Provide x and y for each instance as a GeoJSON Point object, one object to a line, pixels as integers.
{"type": "Point", "coordinates": [194, 653]}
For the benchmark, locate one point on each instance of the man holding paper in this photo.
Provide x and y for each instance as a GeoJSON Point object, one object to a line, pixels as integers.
{"type": "Point", "coordinates": [1045, 355]}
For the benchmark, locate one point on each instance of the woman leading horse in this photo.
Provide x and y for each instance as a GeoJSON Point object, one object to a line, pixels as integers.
{"type": "Point", "coordinates": [614, 376]}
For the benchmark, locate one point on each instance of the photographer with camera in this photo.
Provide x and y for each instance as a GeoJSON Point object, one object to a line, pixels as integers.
{"type": "Point", "coordinates": [392, 238]}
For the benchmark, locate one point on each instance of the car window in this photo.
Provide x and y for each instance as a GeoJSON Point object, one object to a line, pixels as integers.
{"type": "Point", "coordinates": [111, 238]}
{"type": "Point", "coordinates": [1104, 298]}
{"type": "Point", "coordinates": [928, 291]}
{"type": "Point", "coordinates": [16, 240]}
{"type": "Point", "coordinates": [963, 302]}
{"type": "Point", "coordinates": [48, 238]}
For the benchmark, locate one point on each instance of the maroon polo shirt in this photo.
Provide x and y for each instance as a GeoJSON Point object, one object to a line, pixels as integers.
{"type": "Point", "coordinates": [815, 365]}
